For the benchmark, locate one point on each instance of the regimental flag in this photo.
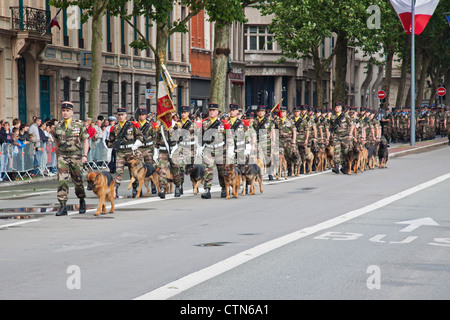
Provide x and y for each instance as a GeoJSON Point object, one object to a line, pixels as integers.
{"type": "Point", "coordinates": [164, 105]}
{"type": "Point", "coordinates": [277, 108]}
{"type": "Point", "coordinates": [424, 9]}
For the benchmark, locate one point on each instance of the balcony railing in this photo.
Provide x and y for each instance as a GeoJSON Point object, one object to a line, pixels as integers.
{"type": "Point", "coordinates": [30, 19]}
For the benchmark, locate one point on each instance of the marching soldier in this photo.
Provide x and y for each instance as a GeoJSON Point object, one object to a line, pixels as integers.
{"type": "Point", "coordinates": [72, 146]}
{"type": "Point", "coordinates": [342, 128]}
{"type": "Point", "coordinates": [386, 120]}
{"type": "Point", "coordinates": [125, 138]}
{"type": "Point", "coordinates": [146, 152]}
{"type": "Point", "coordinates": [303, 127]}
{"type": "Point", "coordinates": [215, 149]}
{"type": "Point", "coordinates": [167, 143]}
{"type": "Point", "coordinates": [288, 136]}
{"type": "Point", "coordinates": [238, 135]}
{"type": "Point", "coordinates": [187, 141]}
{"type": "Point", "coordinates": [264, 129]}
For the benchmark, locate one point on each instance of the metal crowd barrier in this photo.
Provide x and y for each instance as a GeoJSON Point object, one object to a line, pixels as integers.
{"type": "Point", "coordinates": [39, 159]}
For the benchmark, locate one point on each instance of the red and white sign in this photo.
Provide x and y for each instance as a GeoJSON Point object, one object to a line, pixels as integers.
{"type": "Point", "coordinates": [441, 91]}
{"type": "Point", "coordinates": [381, 94]}
{"type": "Point", "coordinates": [424, 9]}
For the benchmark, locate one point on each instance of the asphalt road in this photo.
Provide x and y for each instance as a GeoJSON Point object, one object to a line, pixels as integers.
{"type": "Point", "coordinates": [383, 234]}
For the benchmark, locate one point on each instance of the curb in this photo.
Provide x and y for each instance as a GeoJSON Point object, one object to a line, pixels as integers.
{"type": "Point", "coordinates": [411, 150]}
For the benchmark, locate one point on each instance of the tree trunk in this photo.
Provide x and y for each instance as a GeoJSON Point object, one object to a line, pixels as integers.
{"type": "Point", "coordinates": [220, 64]}
{"type": "Point", "coordinates": [402, 85]}
{"type": "Point", "coordinates": [162, 38]}
{"type": "Point", "coordinates": [446, 101]}
{"type": "Point", "coordinates": [341, 68]}
{"type": "Point", "coordinates": [421, 80]}
{"type": "Point", "coordinates": [97, 58]}
{"type": "Point", "coordinates": [388, 77]}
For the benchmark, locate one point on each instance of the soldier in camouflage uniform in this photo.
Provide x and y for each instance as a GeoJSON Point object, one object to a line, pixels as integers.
{"type": "Point", "coordinates": [302, 125]}
{"type": "Point", "coordinates": [169, 158]}
{"type": "Point", "coordinates": [237, 130]}
{"type": "Point", "coordinates": [387, 126]}
{"type": "Point", "coordinates": [71, 139]}
{"type": "Point", "coordinates": [447, 123]}
{"type": "Point", "coordinates": [126, 138]}
{"type": "Point", "coordinates": [187, 141]}
{"type": "Point", "coordinates": [146, 151]}
{"type": "Point", "coordinates": [287, 136]}
{"type": "Point", "coordinates": [215, 149]}
{"type": "Point", "coordinates": [264, 129]}
{"type": "Point", "coordinates": [341, 129]}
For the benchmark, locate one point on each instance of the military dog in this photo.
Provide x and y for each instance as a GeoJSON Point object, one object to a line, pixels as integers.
{"type": "Point", "coordinates": [320, 157]}
{"type": "Point", "coordinates": [232, 178]}
{"type": "Point", "coordinates": [282, 167]}
{"type": "Point", "coordinates": [364, 158]}
{"type": "Point", "coordinates": [371, 156]}
{"type": "Point", "coordinates": [102, 184]}
{"type": "Point", "coordinates": [383, 154]}
{"type": "Point", "coordinates": [307, 159]}
{"type": "Point", "coordinates": [354, 158]}
{"type": "Point", "coordinates": [196, 173]}
{"type": "Point", "coordinates": [141, 172]}
{"type": "Point", "coordinates": [329, 150]}
{"type": "Point", "coordinates": [252, 173]}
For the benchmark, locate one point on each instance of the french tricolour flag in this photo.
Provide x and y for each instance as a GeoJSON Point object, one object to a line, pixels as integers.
{"type": "Point", "coordinates": [424, 9]}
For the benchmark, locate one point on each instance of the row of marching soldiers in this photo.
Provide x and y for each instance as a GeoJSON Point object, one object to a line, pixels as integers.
{"type": "Point", "coordinates": [265, 139]}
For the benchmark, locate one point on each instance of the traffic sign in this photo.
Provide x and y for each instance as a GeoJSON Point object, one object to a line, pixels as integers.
{"type": "Point", "coordinates": [381, 94]}
{"type": "Point", "coordinates": [441, 91]}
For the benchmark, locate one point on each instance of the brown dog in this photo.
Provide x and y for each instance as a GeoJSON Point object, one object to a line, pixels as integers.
{"type": "Point", "coordinates": [196, 173]}
{"type": "Point", "coordinates": [252, 173]}
{"type": "Point", "coordinates": [232, 178]}
{"type": "Point", "coordinates": [102, 184]}
{"type": "Point", "coordinates": [141, 172]}
{"type": "Point", "coordinates": [329, 150]}
{"type": "Point", "coordinates": [320, 157]}
{"type": "Point", "coordinates": [363, 159]}
{"type": "Point", "coordinates": [354, 158]}
{"type": "Point", "coordinates": [307, 159]}
{"type": "Point", "coordinates": [282, 167]}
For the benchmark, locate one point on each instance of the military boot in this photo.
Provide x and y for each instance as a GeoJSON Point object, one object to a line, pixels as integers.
{"type": "Point", "coordinates": [270, 177]}
{"type": "Point", "coordinates": [154, 191]}
{"type": "Point", "coordinates": [162, 193]}
{"type": "Point", "coordinates": [207, 194]}
{"type": "Point", "coordinates": [223, 193]}
{"type": "Point", "coordinates": [62, 211]}
{"type": "Point", "coordinates": [82, 206]}
{"type": "Point", "coordinates": [117, 191]}
{"type": "Point", "coordinates": [181, 190]}
{"type": "Point", "coordinates": [177, 192]}
{"type": "Point", "coordinates": [134, 192]}
{"type": "Point", "coordinates": [335, 169]}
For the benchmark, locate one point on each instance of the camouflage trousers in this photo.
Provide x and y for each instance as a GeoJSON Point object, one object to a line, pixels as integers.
{"type": "Point", "coordinates": [145, 155]}
{"type": "Point", "coordinates": [166, 164]}
{"type": "Point", "coordinates": [70, 166]}
{"type": "Point", "coordinates": [342, 146]}
{"type": "Point", "coordinates": [211, 157]}
{"type": "Point", "coordinates": [120, 164]}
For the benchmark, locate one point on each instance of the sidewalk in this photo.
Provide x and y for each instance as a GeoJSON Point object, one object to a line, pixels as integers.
{"type": "Point", "coordinates": [396, 150]}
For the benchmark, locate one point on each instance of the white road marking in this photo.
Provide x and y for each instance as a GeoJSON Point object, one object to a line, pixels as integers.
{"type": "Point", "coordinates": [18, 223]}
{"type": "Point", "coordinates": [171, 289]}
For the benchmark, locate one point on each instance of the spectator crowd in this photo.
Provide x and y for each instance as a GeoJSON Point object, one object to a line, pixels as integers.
{"type": "Point", "coordinates": [39, 135]}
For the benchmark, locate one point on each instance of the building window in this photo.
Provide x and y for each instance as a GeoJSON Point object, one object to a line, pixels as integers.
{"type": "Point", "coordinates": [66, 89]}
{"type": "Point", "coordinates": [257, 38]}
{"type": "Point", "coordinates": [124, 94]}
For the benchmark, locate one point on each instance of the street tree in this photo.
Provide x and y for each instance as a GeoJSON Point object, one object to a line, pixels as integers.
{"type": "Point", "coordinates": [94, 9]}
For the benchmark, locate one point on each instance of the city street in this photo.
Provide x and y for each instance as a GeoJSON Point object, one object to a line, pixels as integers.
{"type": "Point", "coordinates": [382, 234]}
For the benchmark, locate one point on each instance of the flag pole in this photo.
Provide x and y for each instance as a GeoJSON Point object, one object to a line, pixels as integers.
{"type": "Point", "coordinates": [413, 76]}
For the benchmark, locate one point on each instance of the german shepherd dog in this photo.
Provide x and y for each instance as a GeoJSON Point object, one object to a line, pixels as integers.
{"type": "Point", "coordinates": [329, 150]}
{"type": "Point", "coordinates": [142, 173]}
{"type": "Point", "coordinates": [196, 173]}
{"type": "Point", "coordinates": [320, 157]}
{"type": "Point", "coordinates": [232, 178]}
{"type": "Point", "coordinates": [282, 167]}
{"type": "Point", "coordinates": [363, 159]}
{"type": "Point", "coordinates": [307, 159]}
{"type": "Point", "coordinates": [354, 158]}
{"type": "Point", "coordinates": [102, 184]}
{"type": "Point", "coordinates": [383, 153]}
{"type": "Point", "coordinates": [252, 173]}
{"type": "Point", "coordinates": [372, 154]}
